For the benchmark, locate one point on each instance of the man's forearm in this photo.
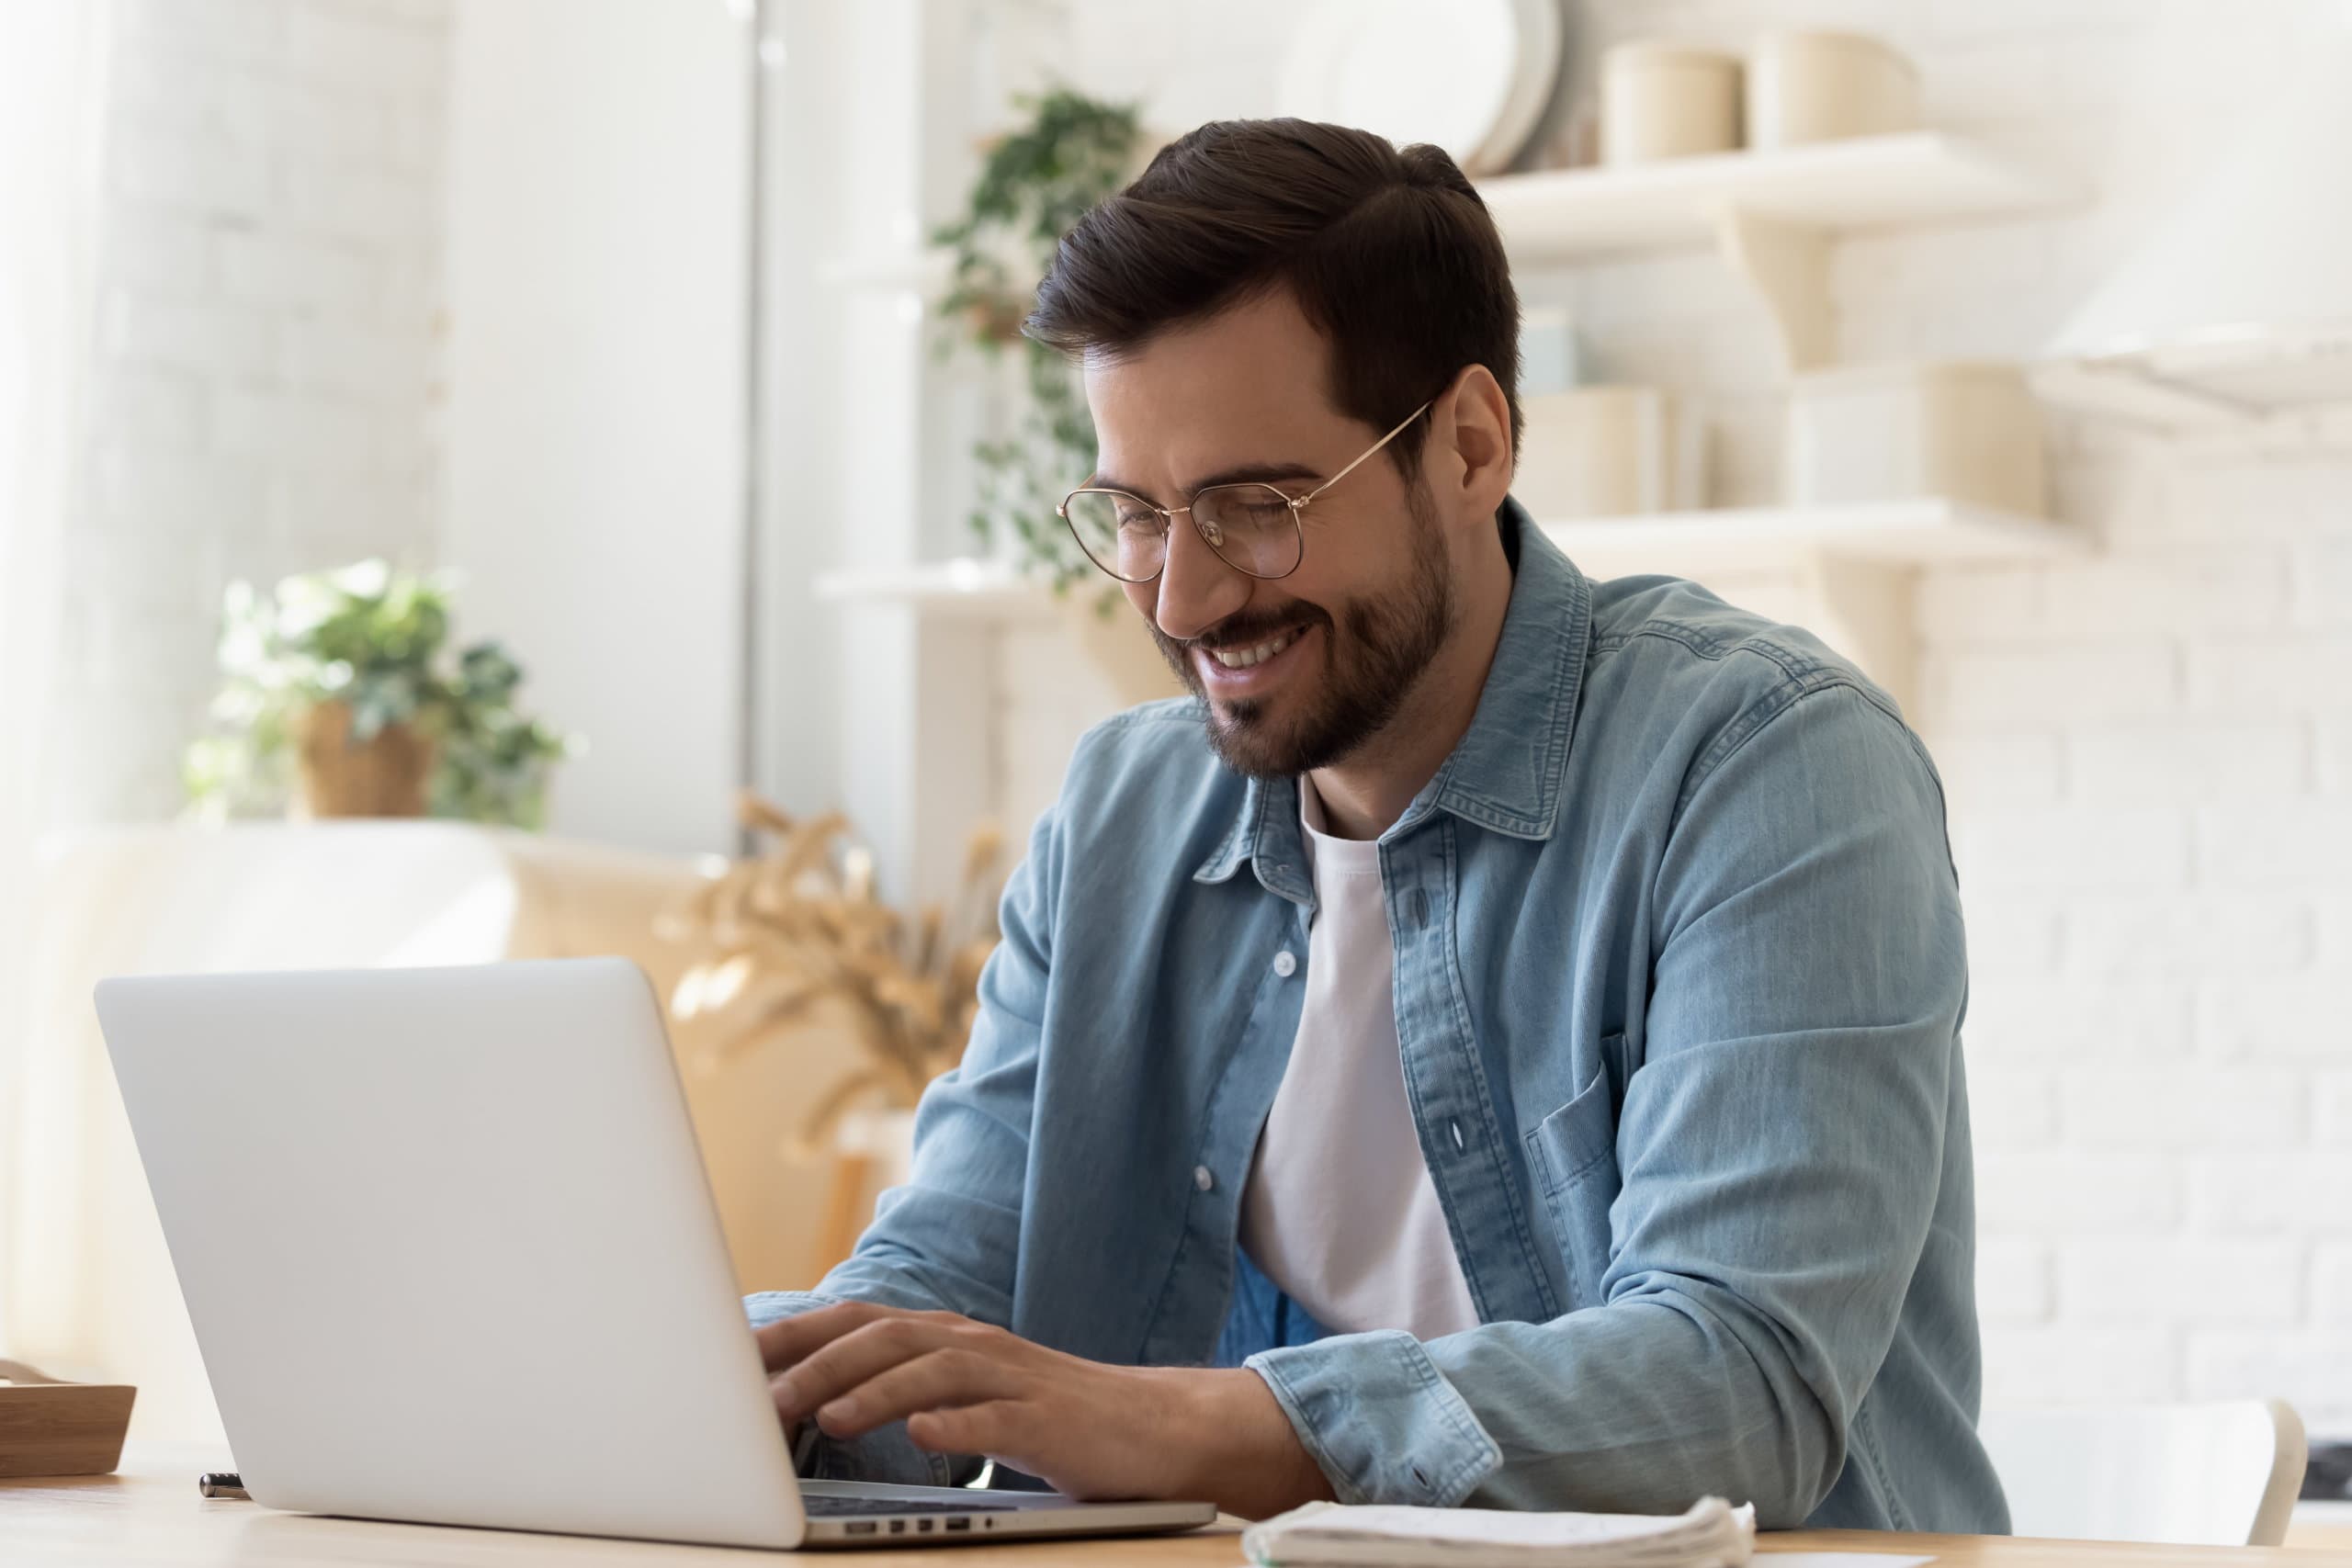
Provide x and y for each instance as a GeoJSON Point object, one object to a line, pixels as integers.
{"type": "Point", "coordinates": [946, 1385]}
{"type": "Point", "coordinates": [1245, 1456]}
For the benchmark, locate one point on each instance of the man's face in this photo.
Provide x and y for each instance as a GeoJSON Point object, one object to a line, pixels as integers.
{"type": "Point", "coordinates": [1297, 672]}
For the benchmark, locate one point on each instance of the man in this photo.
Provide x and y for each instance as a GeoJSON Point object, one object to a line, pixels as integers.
{"type": "Point", "coordinates": [1498, 1044]}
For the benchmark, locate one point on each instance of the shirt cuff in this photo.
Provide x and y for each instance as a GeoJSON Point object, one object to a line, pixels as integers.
{"type": "Point", "coordinates": [1380, 1419]}
{"type": "Point", "coordinates": [763, 1308]}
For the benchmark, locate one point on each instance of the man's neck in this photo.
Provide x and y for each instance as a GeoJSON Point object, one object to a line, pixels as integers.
{"type": "Point", "coordinates": [1365, 795]}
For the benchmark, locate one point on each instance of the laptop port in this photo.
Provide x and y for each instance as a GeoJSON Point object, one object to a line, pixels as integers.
{"type": "Point", "coordinates": [959, 1524]}
{"type": "Point", "coordinates": [923, 1525]}
{"type": "Point", "coordinates": [861, 1527]}
{"type": "Point", "coordinates": [897, 1526]}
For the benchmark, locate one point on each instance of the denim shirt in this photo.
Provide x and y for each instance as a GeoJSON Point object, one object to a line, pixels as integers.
{"type": "Point", "coordinates": [1679, 982]}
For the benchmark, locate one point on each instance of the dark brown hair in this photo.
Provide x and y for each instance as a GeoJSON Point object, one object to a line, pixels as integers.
{"type": "Point", "coordinates": [1390, 253]}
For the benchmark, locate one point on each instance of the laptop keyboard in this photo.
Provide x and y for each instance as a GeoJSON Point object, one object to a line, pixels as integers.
{"type": "Point", "coordinates": [823, 1507]}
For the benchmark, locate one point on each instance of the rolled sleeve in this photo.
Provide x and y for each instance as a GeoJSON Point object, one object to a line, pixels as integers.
{"type": "Point", "coordinates": [1380, 1419]}
{"type": "Point", "coordinates": [773, 1306]}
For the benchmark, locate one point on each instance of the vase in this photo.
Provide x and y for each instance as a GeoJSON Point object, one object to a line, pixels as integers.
{"type": "Point", "coordinates": [386, 775]}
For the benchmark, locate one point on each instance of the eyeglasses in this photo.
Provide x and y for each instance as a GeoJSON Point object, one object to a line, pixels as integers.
{"type": "Point", "coordinates": [1253, 528]}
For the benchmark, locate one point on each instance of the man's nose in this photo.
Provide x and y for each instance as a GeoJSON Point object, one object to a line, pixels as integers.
{"type": "Point", "coordinates": [1197, 589]}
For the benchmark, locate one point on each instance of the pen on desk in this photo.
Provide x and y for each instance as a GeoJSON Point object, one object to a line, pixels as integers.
{"type": "Point", "coordinates": [223, 1483]}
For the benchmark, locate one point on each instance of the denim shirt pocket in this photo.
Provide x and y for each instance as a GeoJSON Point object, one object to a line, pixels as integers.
{"type": "Point", "coordinates": [1574, 1154]}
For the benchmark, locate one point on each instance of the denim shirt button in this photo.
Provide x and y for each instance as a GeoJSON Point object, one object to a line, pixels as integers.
{"type": "Point", "coordinates": [1285, 963]}
{"type": "Point", "coordinates": [1202, 1180]}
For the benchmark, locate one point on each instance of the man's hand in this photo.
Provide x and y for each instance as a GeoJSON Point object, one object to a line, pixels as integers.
{"type": "Point", "coordinates": [1088, 1430]}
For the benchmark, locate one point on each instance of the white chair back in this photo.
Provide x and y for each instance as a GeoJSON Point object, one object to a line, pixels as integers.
{"type": "Point", "coordinates": [2221, 1474]}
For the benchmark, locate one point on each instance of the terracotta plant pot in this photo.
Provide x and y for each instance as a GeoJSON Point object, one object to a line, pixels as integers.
{"type": "Point", "coordinates": [386, 777]}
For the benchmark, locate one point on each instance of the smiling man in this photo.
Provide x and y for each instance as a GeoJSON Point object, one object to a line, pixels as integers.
{"type": "Point", "coordinates": [1497, 1043]}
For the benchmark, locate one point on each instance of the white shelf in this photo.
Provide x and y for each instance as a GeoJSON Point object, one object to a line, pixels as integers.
{"type": "Point", "coordinates": [1856, 564]}
{"type": "Point", "coordinates": [2247, 382]}
{"type": "Point", "coordinates": [921, 269]}
{"type": "Point", "coordinates": [965, 588]}
{"type": "Point", "coordinates": [1926, 531]}
{"type": "Point", "coordinates": [1558, 215]}
{"type": "Point", "coordinates": [1865, 182]}
{"type": "Point", "coordinates": [1771, 213]}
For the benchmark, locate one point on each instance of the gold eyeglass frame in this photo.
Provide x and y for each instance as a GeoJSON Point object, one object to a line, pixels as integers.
{"type": "Point", "coordinates": [1209, 533]}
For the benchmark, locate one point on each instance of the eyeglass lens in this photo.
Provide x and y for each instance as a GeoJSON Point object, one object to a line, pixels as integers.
{"type": "Point", "coordinates": [1250, 526]}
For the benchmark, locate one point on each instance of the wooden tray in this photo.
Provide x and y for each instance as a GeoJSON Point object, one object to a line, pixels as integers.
{"type": "Point", "coordinates": [47, 1427]}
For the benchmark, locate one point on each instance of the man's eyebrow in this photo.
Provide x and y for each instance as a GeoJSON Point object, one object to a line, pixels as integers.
{"type": "Point", "coordinates": [1245, 473]}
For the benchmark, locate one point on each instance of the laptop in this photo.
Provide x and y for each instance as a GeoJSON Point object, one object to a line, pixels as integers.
{"type": "Point", "coordinates": [451, 1258]}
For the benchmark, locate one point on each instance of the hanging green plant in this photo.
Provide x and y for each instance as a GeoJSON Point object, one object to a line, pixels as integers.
{"type": "Point", "coordinates": [1034, 184]}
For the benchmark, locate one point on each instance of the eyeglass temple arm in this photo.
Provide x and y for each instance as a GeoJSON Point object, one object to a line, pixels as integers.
{"type": "Point", "coordinates": [1351, 467]}
{"type": "Point", "coordinates": [1172, 512]}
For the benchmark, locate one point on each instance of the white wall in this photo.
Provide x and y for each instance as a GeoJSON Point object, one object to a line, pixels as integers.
{"type": "Point", "coordinates": [593, 431]}
{"type": "Point", "coordinates": [2149, 755]}
{"type": "Point", "coordinates": [280, 362]}
{"type": "Point", "coordinates": [260, 380]}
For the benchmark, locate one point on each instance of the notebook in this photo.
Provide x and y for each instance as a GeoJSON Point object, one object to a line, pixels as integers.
{"type": "Point", "coordinates": [1713, 1534]}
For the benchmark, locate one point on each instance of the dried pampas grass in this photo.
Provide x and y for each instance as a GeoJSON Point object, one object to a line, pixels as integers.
{"type": "Point", "coordinates": [794, 939]}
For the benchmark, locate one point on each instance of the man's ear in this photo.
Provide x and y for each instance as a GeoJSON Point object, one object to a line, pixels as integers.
{"type": "Point", "coordinates": [1471, 419]}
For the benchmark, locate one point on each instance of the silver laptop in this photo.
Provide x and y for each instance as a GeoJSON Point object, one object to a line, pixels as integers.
{"type": "Point", "coordinates": [451, 1258]}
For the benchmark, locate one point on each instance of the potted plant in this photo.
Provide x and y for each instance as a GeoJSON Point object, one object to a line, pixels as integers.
{"type": "Point", "coordinates": [1034, 184]}
{"type": "Point", "coordinates": [337, 701]}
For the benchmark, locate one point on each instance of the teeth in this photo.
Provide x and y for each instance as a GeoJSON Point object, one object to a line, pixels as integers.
{"type": "Point", "coordinates": [1243, 657]}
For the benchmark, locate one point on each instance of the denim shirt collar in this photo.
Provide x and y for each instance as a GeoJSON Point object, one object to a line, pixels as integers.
{"type": "Point", "coordinates": [1504, 773]}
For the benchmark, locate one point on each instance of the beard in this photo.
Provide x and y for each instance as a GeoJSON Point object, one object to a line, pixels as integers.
{"type": "Point", "coordinates": [1377, 648]}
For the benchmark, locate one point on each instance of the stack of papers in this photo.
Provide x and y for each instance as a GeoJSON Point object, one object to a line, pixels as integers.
{"type": "Point", "coordinates": [1714, 1534]}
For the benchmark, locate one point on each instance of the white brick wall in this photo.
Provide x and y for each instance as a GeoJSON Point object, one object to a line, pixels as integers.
{"type": "Point", "coordinates": [2148, 753]}
{"type": "Point", "coordinates": [264, 367]}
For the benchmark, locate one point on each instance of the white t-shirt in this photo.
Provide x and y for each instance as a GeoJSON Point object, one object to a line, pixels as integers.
{"type": "Point", "coordinates": [1340, 1211]}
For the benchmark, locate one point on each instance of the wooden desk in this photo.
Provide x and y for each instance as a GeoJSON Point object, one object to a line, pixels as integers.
{"type": "Point", "coordinates": [151, 1515]}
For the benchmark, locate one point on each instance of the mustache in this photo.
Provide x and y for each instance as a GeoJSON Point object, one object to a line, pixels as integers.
{"type": "Point", "coordinates": [1242, 631]}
